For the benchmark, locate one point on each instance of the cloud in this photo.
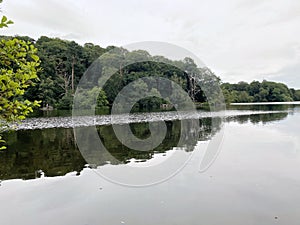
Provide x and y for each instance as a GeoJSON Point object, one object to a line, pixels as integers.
{"type": "Point", "coordinates": [290, 74]}
{"type": "Point", "coordinates": [238, 39]}
{"type": "Point", "coordinates": [35, 17]}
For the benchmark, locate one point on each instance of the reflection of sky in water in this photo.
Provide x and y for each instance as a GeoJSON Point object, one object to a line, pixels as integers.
{"type": "Point", "coordinates": [290, 128]}
{"type": "Point", "coordinates": [254, 180]}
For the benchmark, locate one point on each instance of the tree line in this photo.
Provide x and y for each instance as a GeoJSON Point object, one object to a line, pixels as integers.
{"type": "Point", "coordinates": [265, 91]}
{"type": "Point", "coordinates": [62, 64]}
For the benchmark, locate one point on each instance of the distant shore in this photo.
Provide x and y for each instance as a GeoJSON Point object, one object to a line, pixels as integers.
{"type": "Point", "coordinates": [267, 103]}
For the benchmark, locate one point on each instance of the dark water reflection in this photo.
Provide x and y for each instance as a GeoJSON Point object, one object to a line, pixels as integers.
{"type": "Point", "coordinates": [54, 151]}
{"type": "Point", "coordinates": [268, 107]}
{"type": "Point", "coordinates": [258, 118]}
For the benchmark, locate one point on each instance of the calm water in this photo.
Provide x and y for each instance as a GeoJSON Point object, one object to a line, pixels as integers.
{"type": "Point", "coordinates": [254, 179]}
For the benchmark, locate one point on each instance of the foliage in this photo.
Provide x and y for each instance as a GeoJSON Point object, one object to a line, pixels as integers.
{"type": "Point", "coordinates": [265, 91]}
{"type": "Point", "coordinates": [129, 66]}
{"type": "Point", "coordinates": [295, 94]}
{"type": "Point", "coordinates": [94, 98]}
{"type": "Point", "coordinates": [19, 65]}
{"type": "Point", "coordinates": [65, 102]}
{"type": "Point", "coordinates": [63, 63]}
{"type": "Point", "coordinates": [4, 21]}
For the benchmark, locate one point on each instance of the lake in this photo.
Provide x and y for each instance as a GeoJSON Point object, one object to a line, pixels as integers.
{"type": "Point", "coordinates": [251, 177]}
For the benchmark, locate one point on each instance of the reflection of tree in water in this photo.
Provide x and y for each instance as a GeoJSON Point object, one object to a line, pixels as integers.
{"type": "Point", "coordinates": [262, 107]}
{"type": "Point", "coordinates": [257, 118]}
{"type": "Point", "coordinates": [54, 151]}
{"type": "Point", "coordinates": [50, 150]}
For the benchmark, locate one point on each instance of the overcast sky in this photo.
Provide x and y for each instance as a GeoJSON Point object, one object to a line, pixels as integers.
{"type": "Point", "coordinates": [237, 39]}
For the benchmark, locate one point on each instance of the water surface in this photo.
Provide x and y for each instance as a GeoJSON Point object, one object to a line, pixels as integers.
{"type": "Point", "coordinates": [254, 180]}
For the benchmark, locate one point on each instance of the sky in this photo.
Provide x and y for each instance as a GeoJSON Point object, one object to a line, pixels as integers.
{"type": "Point", "coordinates": [237, 39]}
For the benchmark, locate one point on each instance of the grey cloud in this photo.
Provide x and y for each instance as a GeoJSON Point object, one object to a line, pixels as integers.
{"type": "Point", "coordinates": [289, 74]}
{"type": "Point", "coordinates": [239, 39]}
{"type": "Point", "coordinates": [50, 14]}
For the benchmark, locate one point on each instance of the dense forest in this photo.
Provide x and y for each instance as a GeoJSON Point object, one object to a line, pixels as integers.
{"type": "Point", "coordinates": [265, 91]}
{"type": "Point", "coordinates": [64, 62]}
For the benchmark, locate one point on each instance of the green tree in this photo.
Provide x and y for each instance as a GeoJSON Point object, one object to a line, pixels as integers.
{"type": "Point", "coordinates": [254, 88]}
{"type": "Point", "coordinates": [93, 98]}
{"type": "Point", "coordinates": [242, 86]}
{"type": "Point", "coordinates": [266, 91]}
{"type": "Point", "coordinates": [90, 53]}
{"type": "Point", "coordinates": [19, 65]}
{"type": "Point", "coordinates": [296, 95]}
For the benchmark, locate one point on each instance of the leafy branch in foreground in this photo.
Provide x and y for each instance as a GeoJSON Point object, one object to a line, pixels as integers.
{"type": "Point", "coordinates": [19, 65]}
{"type": "Point", "coordinates": [5, 22]}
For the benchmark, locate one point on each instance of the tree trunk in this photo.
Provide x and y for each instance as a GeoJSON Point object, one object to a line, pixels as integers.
{"type": "Point", "coordinates": [72, 74]}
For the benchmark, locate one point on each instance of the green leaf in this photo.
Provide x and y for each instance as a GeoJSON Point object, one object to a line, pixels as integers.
{"type": "Point", "coordinates": [35, 58]}
{"type": "Point", "coordinates": [4, 19]}
{"type": "Point", "coordinates": [2, 141]}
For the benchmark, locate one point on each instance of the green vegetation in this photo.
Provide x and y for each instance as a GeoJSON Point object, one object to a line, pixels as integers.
{"type": "Point", "coordinates": [19, 65]}
{"type": "Point", "coordinates": [265, 91]}
{"type": "Point", "coordinates": [4, 21]}
{"type": "Point", "coordinates": [64, 62]}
